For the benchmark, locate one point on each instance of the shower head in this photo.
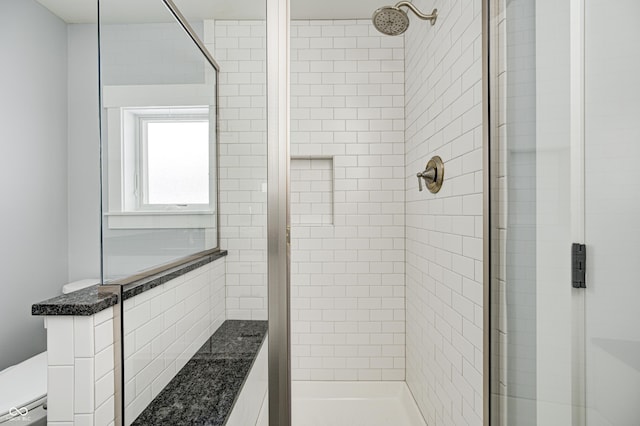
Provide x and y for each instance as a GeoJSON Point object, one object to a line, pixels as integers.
{"type": "Point", "coordinates": [391, 20]}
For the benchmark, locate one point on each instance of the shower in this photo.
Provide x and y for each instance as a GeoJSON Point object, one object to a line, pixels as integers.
{"type": "Point", "coordinates": [391, 20]}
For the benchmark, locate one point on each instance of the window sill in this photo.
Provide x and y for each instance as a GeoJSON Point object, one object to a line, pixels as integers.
{"type": "Point", "coordinates": [161, 220]}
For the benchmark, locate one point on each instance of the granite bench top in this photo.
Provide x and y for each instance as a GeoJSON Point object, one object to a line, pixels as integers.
{"type": "Point", "coordinates": [89, 301]}
{"type": "Point", "coordinates": [205, 390]}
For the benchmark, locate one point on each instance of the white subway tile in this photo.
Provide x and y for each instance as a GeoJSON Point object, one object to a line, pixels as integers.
{"type": "Point", "coordinates": [103, 335]}
{"type": "Point", "coordinates": [60, 342]}
{"type": "Point", "coordinates": [136, 316]}
{"type": "Point", "coordinates": [83, 336]}
{"type": "Point", "coordinates": [149, 373]}
{"type": "Point", "coordinates": [147, 332]}
{"type": "Point", "coordinates": [104, 414]}
{"type": "Point", "coordinates": [104, 388]}
{"type": "Point", "coordinates": [163, 378]}
{"type": "Point", "coordinates": [103, 362]}
{"type": "Point", "coordinates": [60, 393]}
{"type": "Point", "coordinates": [449, 243]}
{"type": "Point", "coordinates": [83, 420]}
{"type": "Point", "coordinates": [84, 386]}
{"type": "Point", "coordinates": [103, 316]}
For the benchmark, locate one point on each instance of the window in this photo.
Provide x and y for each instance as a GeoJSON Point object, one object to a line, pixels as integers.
{"type": "Point", "coordinates": [173, 171]}
{"type": "Point", "coordinates": [161, 158]}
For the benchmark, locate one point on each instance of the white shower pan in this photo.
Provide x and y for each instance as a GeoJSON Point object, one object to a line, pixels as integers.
{"type": "Point", "coordinates": [351, 404]}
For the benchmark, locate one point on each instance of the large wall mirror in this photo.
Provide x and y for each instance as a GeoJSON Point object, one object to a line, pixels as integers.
{"type": "Point", "coordinates": [159, 139]}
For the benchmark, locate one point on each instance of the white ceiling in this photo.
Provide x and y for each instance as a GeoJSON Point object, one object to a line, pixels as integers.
{"type": "Point", "coordinates": [143, 11]}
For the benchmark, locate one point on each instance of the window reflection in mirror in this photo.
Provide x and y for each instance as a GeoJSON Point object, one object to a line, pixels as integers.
{"type": "Point", "coordinates": [158, 140]}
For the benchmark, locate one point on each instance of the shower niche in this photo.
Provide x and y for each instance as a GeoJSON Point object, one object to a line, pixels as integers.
{"type": "Point", "coordinates": [312, 189]}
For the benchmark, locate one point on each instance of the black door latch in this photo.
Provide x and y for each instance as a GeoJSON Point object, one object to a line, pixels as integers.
{"type": "Point", "coordinates": [578, 265]}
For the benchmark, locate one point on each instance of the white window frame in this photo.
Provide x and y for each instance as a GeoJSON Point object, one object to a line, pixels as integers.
{"type": "Point", "coordinates": [143, 118]}
{"type": "Point", "coordinates": [125, 106]}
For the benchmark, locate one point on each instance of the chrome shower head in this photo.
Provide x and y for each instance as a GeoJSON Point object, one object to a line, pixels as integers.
{"type": "Point", "coordinates": [391, 20]}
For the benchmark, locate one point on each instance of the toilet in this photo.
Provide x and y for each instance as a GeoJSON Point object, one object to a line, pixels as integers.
{"type": "Point", "coordinates": [23, 387]}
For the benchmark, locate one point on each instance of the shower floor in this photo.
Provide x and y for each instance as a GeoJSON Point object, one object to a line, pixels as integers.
{"type": "Point", "coordinates": [351, 404]}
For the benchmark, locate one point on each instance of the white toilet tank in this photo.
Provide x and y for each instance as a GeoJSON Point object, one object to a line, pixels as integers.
{"type": "Point", "coordinates": [23, 387]}
{"type": "Point", "coordinates": [79, 285]}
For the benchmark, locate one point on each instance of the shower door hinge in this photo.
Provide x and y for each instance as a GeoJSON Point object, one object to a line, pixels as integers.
{"type": "Point", "coordinates": [578, 265]}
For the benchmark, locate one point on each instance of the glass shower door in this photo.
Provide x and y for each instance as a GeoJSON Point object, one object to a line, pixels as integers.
{"type": "Point", "coordinates": [612, 209]}
{"type": "Point", "coordinates": [564, 153]}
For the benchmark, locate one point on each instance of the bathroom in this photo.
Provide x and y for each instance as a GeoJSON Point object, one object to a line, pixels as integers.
{"type": "Point", "coordinates": [293, 268]}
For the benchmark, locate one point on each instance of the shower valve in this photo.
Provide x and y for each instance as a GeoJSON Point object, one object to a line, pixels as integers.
{"type": "Point", "coordinates": [428, 175]}
{"type": "Point", "coordinates": [433, 175]}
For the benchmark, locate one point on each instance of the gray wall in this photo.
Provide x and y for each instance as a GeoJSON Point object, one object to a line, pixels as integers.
{"type": "Point", "coordinates": [49, 166]}
{"type": "Point", "coordinates": [84, 153]}
{"type": "Point", "coordinates": [33, 177]}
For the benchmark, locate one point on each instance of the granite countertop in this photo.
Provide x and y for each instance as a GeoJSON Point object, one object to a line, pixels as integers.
{"type": "Point", "coordinates": [206, 388]}
{"type": "Point", "coordinates": [82, 303]}
{"type": "Point", "coordinates": [89, 301]}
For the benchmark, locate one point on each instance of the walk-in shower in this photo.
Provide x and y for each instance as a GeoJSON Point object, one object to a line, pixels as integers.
{"type": "Point", "coordinates": [391, 20]}
{"type": "Point", "coordinates": [317, 125]}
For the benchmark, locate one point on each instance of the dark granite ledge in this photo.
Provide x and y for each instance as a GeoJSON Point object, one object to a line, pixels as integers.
{"type": "Point", "coordinates": [140, 283]}
{"type": "Point", "coordinates": [82, 303]}
{"type": "Point", "coordinates": [89, 302]}
{"type": "Point", "coordinates": [205, 390]}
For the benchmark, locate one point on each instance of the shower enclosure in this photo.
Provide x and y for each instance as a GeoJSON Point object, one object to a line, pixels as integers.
{"type": "Point", "coordinates": [362, 276]}
{"type": "Point", "coordinates": [565, 341]}
{"type": "Point", "coordinates": [367, 281]}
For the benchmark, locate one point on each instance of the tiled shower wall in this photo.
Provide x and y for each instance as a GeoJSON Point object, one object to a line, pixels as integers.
{"type": "Point", "coordinates": [347, 109]}
{"type": "Point", "coordinates": [347, 283]}
{"type": "Point", "coordinates": [444, 231]}
{"type": "Point", "coordinates": [311, 195]}
{"type": "Point", "coordinates": [240, 49]}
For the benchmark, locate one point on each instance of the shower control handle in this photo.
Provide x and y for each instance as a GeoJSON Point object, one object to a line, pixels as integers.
{"type": "Point", "coordinates": [433, 175]}
{"type": "Point", "coordinates": [429, 175]}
